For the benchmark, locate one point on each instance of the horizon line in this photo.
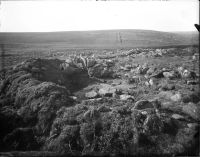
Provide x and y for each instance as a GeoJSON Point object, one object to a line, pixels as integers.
{"type": "Point", "coordinates": [101, 30]}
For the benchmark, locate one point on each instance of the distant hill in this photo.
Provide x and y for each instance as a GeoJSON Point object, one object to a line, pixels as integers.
{"type": "Point", "coordinates": [103, 38]}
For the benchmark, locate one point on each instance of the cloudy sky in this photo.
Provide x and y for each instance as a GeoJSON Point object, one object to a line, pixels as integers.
{"type": "Point", "coordinates": [45, 16]}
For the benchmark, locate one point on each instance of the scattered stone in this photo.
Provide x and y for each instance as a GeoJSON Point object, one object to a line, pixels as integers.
{"type": "Point", "coordinates": [107, 91]}
{"type": "Point", "coordinates": [147, 83]}
{"type": "Point", "coordinates": [73, 97]}
{"type": "Point", "coordinates": [128, 66]}
{"type": "Point", "coordinates": [170, 96]}
{"type": "Point", "coordinates": [177, 97]}
{"type": "Point", "coordinates": [192, 82]}
{"type": "Point", "coordinates": [186, 74]}
{"type": "Point", "coordinates": [150, 71]}
{"type": "Point", "coordinates": [177, 116]}
{"type": "Point", "coordinates": [153, 81]}
{"type": "Point", "coordinates": [101, 71]}
{"type": "Point", "coordinates": [91, 94]}
{"type": "Point", "coordinates": [192, 125]}
{"type": "Point", "coordinates": [180, 70]}
{"type": "Point", "coordinates": [167, 86]}
{"type": "Point", "coordinates": [169, 75]}
{"type": "Point", "coordinates": [134, 79]}
{"type": "Point", "coordinates": [193, 110]}
{"type": "Point", "coordinates": [158, 74]}
{"type": "Point", "coordinates": [126, 97]}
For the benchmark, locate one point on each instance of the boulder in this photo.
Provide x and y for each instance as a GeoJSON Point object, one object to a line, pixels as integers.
{"type": "Point", "coordinates": [169, 75]}
{"type": "Point", "coordinates": [134, 79]}
{"type": "Point", "coordinates": [107, 91]}
{"type": "Point", "coordinates": [168, 95]}
{"type": "Point", "coordinates": [150, 71]}
{"type": "Point", "coordinates": [126, 97]}
{"type": "Point", "coordinates": [101, 71]}
{"type": "Point", "coordinates": [176, 97]}
{"type": "Point", "coordinates": [193, 110]}
{"type": "Point", "coordinates": [177, 116]}
{"type": "Point", "coordinates": [91, 94]}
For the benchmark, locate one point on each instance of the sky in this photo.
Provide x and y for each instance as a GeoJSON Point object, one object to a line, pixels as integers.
{"type": "Point", "coordinates": [48, 16]}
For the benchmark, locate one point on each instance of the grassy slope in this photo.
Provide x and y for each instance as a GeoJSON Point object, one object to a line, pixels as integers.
{"type": "Point", "coordinates": [101, 39]}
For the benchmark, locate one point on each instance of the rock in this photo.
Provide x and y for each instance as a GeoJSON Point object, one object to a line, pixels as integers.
{"type": "Point", "coordinates": [107, 91]}
{"type": "Point", "coordinates": [143, 104]}
{"type": "Point", "coordinates": [180, 70]}
{"type": "Point", "coordinates": [167, 86]}
{"type": "Point", "coordinates": [116, 82]}
{"type": "Point", "coordinates": [193, 110]}
{"type": "Point", "coordinates": [177, 116]}
{"type": "Point", "coordinates": [150, 71]}
{"type": "Point", "coordinates": [144, 70]}
{"type": "Point", "coordinates": [126, 97]}
{"type": "Point", "coordinates": [110, 63]}
{"type": "Point", "coordinates": [101, 71]}
{"type": "Point", "coordinates": [68, 68]}
{"type": "Point", "coordinates": [134, 79]}
{"type": "Point", "coordinates": [186, 74]}
{"type": "Point", "coordinates": [91, 94]}
{"type": "Point", "coordinates": [172, 106]}
{"type": "Point", "coordinates": [192, 82]}
{"type": "Point", "coordinates": [92, 100]}
{"type": "Point", "coordinates": [158, 74]}
{"type": "Point", "coordinates": [138, 70]}
{"type": "Point", "coordinates": [73, 97]}
{"type": "Point", "coordinates": [192, 125]}
{"type": "Point", "coordinates": [153, 81]}
{"type": "Point", "coordinates": [170, 96]}
{"type": "Point", "coordinates": [176, 97]}
{"type": "Point", "coordinates": [169, 75]}
{"type": "Point", "coordinates": [147, 83]}
{"type": "Point", "coordinates": [128, 66]}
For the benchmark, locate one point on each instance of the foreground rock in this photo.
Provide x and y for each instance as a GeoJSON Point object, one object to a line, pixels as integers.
{"type": "Point", "coordinates": [192, 110]}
